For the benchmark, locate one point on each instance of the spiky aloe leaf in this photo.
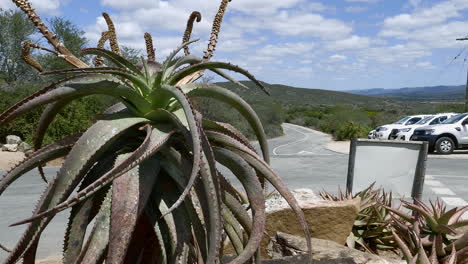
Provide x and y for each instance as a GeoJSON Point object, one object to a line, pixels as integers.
{"type": "Point", "coordinates": [226, 96]}
{"type": "Point", "coordinates": [97, 245]}
{"type": "Point", "coordinates": [249, 180]}
{"type": "Point", "coordinates": [115, 58]}
{"type": "Point", "coordinates": [81, 215]}
{"type": "Point", "coordinates": [177, 76]}
{"type": "Point", "coordinates": [88, 150]}
{"type": "Point", "coordinates": [130, 194]}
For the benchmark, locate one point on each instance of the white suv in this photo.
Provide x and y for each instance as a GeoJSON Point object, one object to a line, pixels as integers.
{"type": "Point", "coordinates": [406, 132]}
{"type": "Point", "coordinates": [446, 137]}
{"type": "Point", "coordinates": [387, 131]}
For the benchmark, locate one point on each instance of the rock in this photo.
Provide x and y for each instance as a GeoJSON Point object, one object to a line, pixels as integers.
{"type": "Point", "coordinates": [326, 219]}
{"type": "Point", "coordinates": [13, 140]}
{"type": "Point", "coordinates": [284, 246]}
{"type": "Point", "coordinates": [10, 147]}
{"type": "Point", "coordinates": [24, 147]}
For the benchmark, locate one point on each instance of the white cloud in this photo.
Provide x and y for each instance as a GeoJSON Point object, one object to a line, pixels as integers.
{"type": "Point", "coordinates": [262, 6]}
{"type": "Point", "coordinates": [50, 7]}
{"type": "Point", "coordinates": [130, 4]}
{"type": "Point", "coordinates": [298, 24]}
{"type": "Point", "coordinates": [286, 49]}
{"type": "Point", "coordinates": [351, 43]}
{"type": "Point", "coordinates": [399, 54]}
{"type": "Point", "coordinates": [439, 13]}
{"type": "Point", "coordinates": [337, 57]}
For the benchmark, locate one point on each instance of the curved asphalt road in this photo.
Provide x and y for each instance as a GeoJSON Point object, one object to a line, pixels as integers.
{"type": "Point", "coordinates": [300, 158]}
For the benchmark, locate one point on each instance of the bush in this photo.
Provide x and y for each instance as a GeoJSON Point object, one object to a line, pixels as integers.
{"type": "Point", "coordinates": [77, 117]}
{"type": "Point", "coordinates": [351, 130]}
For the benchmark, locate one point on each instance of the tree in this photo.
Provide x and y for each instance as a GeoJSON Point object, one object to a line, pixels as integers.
{"type": "Point", "coordinates": [15, 29]}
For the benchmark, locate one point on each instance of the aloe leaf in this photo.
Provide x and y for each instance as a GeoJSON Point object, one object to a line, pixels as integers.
{"type": "Point", "coordinates": [189, 59]}
{"type": "Point", "coordinates": [81, 215]}
{"type": "Point", "coordinates": [139, 82]}
{"type": "Point", "coordinates": [429, 218]}
{"type": "Point", "coordinates": [233, 236]}
{"type": "Point", "coordinates": [74, 91]}
{"type": "Point", "coordinates": [42, 91]}
{"type": "Point", "coordinates": [229, 78]}
{"type": "Point", "coordinates": [251, 184]}
{"type": "Point", "coordinates": [174, 52]}
{"type": "Point", "coordinates": [115, 58]}
{"type": "Point", "coordinates": [228, 129]}
{"type": "Point", "coordinates": [88, 150]}
{"type": "Point", "coordinates": [213, 197]}
{"type": "Point", "coordinates": [265, 170]}
{"type": "Point", "coordinates": [154, 140]}
{"type": "Point", "coordinates": [456, 217]}
{"type": "Point", "coordinates": [131, 192]}
{"type": "Point", "coordinates": [98, 241]}
{"type": "Point", "coordinates": [240, 105]}
{"type": "Point", "coordinates": [177, 76]}
{"type": "Point", "coordinates": [403, 247]}
{"type": "Point", "coordinates": [177, 167]}
{"type": "Point", "coordinates": [194, 127]}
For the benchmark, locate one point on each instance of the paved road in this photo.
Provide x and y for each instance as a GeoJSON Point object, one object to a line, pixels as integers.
{"type": "Point", "coordinates": [300, 158]}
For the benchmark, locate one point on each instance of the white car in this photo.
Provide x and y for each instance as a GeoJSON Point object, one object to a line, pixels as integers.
{"type": "Point", "coordinates": [405, 133]}
{"type": "Point", "coordinates": [385, 132]}
{"type": "Point", "coordinates": [446, 137]}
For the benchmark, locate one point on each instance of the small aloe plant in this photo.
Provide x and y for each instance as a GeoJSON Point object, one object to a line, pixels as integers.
{"type": "Point", "coordinates": [372, 228]}
{"type": "Point", "coordinates": [431, 231]}
{"type": "Point", "coordinates": [146, 170]}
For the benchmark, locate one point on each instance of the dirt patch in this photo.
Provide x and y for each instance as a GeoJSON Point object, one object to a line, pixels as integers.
{"type": "Point", "coordinates": [10, 159]}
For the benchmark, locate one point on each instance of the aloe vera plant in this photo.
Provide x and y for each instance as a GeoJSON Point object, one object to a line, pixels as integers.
{"type": "Point", "coordinates": [432, 234]}
{"type": "Point", "coordinates": [146, 170]}
{"type": "Point", "coordinates": [372, 229]}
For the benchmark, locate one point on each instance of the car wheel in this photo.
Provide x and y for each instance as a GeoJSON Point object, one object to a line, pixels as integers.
{"type": "Point", "coordinates": [445, 145]}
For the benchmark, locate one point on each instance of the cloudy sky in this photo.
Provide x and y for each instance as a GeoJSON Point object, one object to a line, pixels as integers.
{"type": "Point", "coordinates": [328, 44]}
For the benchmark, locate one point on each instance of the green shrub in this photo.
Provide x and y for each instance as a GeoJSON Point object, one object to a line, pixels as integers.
{"type": "Point", "coordinates": [351, 130]}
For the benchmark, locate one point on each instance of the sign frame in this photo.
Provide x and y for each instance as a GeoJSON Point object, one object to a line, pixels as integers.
{"type": "Point", "coordinates": [420, 172]}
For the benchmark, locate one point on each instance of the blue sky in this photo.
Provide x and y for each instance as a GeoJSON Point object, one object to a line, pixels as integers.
{"type": "Point", "coordinates": [328, 44]}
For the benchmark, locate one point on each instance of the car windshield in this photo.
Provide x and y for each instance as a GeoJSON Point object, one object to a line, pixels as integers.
{"type": "Point", "coordinates": [402, 121]}
{"type": "Point", "coordinates": [424, 120]}
{"type": "Point", "coordinates": [454, 119]}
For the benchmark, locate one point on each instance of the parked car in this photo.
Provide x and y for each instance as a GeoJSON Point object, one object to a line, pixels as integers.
{"type": "Point", "coordinates": [387, 131]}
{"type": "Point", "coordinates": [446, 137]}
{"type": "Point", "coordinates": [405, 133]}
{"type": "Point", "coordinates": [371, 134]}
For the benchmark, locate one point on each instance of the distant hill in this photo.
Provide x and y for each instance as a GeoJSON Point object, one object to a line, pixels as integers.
{"type": "Point", "coordinates": [288, 95]}
{"type": "Point", "coordinates": [432, 93]}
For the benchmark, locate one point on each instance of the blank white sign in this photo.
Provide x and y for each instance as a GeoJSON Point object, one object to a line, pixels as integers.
{"type": "Point", "coordinates": [390, 165]}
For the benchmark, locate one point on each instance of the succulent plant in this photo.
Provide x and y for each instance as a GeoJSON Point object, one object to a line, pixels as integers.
{"type": "Point", "coordinates": [371, 230]}
{"type": "Point", "coordinates": [433, 230]}
{"type": "Point", "coordinates": [146, 170]}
